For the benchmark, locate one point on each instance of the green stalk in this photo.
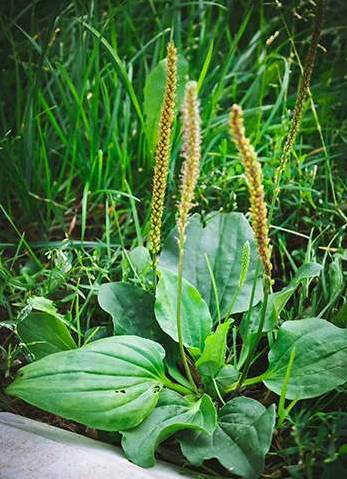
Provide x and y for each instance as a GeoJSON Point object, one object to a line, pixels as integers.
{"type": "Point", "coordinates": [214, 286]}
{"type": "Point", "coordinates": [282, 412]}
{"type": "Point", "coordinates": [245, 258]}
{"type": "Point", "coordinates": [220, 397]}
{"type": "Point", "coordinates": [176, 387]}
{"type": "Point", "coordinates": [251, 301]}
{"type": "Point", "coordinates": [178, 313]}
{"type": "Point", "coordinates": [303, 92]}
{"type": "Point", "coordinates": [233, 301]}
{"type": "Point", "coordinates": [267, 289]}
{"type": "Point", "coordinates": [246, 382]}
{"type": "Point", "coordinates": [190, 174]}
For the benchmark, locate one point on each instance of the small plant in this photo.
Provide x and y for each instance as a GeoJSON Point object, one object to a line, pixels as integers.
{"type": "Point", "coordinates": [184, 344]}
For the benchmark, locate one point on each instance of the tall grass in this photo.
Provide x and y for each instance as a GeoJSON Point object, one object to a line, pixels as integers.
{"type": "Point", "coordinates": [75, 160]}
{"type": "Point", "coordinates": [72, 119]}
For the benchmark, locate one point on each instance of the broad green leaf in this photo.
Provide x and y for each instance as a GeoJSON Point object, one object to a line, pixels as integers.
{"type": "Point", "coordinates": [306, 271]}
{"type": "Point", "coordinates": [227, 376]}
{"type": "Point", "coordinates": [140, 259]}
{"type": "Point", "coordinates": [109, 384]}
{"type": "Point", "coordinates": [240, 441]}
{"type": "Point", "coordinates": [137, 263]}
{"type": "Point", "coordinates": [40, 303]}
{"type": "Point", "coordinates": [172, 413]}
{"type": "Point", "coordinates": [216, 386]}
{"type": "Point", "coordinates": [131, 308]}
{"type": "Point", "coordinates": [213, 355]}
{"type": "Point", "coordinates": [222, 240]}
{"type": "Point", "coordinates": [173, 369]}
{"type": "Point", "coordinates": [44, 334]}
{"type": "Point", "coordinates": [132, 311]}
{"type": "Point", "coordinates": [278, 300]}
{"type": "Point", "coordinates": [320, 362]}
{"type": "Point", "coordinates": [276, 303]}
{"type": "Point", "coordinates": [154, 95]}
{"type": "Point", "coordinates": [196, 319]}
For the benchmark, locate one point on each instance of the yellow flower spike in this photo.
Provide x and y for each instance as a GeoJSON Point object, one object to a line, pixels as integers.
{"type": "Point", "coordinates": [191, 152]}
{"type": "Point", "coordinates": [162, 153]}
{"type": "Point", "coordinates": [302, 95]}
{"type": "Point", "coordinates": [190, 174]}
{"type": "Point", "coordinates": [258, 208]}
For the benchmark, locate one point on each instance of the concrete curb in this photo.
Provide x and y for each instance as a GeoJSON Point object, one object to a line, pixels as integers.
{"type": "Point", "coordinates": [34, 450]}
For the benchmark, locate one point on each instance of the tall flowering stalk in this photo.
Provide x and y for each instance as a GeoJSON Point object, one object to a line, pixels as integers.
{"type": "Point", "coordinates": [191, 152]}
{"type": "Point", "coordinates": [300, 100]}
{"type": "Point", "coordinates": [190, 174]}
{"type": "Point", "coordinates": [162, 152]}
{"type": "Point", "coordinates": [258, 208]}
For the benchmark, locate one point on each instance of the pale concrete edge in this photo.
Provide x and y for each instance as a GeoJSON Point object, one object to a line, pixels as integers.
{"type": "Point", "coordinates": [73, 439]}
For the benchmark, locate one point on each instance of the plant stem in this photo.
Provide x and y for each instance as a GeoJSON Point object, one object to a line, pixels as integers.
{"type": "Point", "coordinates": [303, 92]}
{"type": "Point", "coordinates": [154, 272]}
{"type": "Point", "coordinates": [246, 382]}
{"type": "Point", "coordinates": [178, 313]}
{"type": "Point", "coordinates": [233, 301]}
{"type": "Point", "coordinates": [251, 301]}
{"type": "Point", "coordinates": [281, 404]}
{"type": "Point", "coordinates": [267, 288]}
{"type": "Point", "coordinates": [220, 397]}
{"type": "Point", "coordinates": [176, 387]}
{"type": "Point", "coordinates": [214, 286]}
{"type": "Point", "coordinates": [245, 258]}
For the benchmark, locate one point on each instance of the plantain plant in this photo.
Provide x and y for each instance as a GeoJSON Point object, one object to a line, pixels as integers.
{"type": "Point", "coordinates": [194, 317]}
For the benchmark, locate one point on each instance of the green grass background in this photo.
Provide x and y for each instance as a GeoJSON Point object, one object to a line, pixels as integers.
{"type": "Point", "coordinates": [75, 166]}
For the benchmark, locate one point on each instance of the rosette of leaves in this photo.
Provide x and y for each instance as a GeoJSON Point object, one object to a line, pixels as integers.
{"type": "Point", "coordinates": [132, 381]}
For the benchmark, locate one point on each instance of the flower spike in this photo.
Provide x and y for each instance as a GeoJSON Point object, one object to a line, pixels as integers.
{"type": "Point", "coordinates": [162, 153]}
{"type": "Point", "coordinates": [258, 208]}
